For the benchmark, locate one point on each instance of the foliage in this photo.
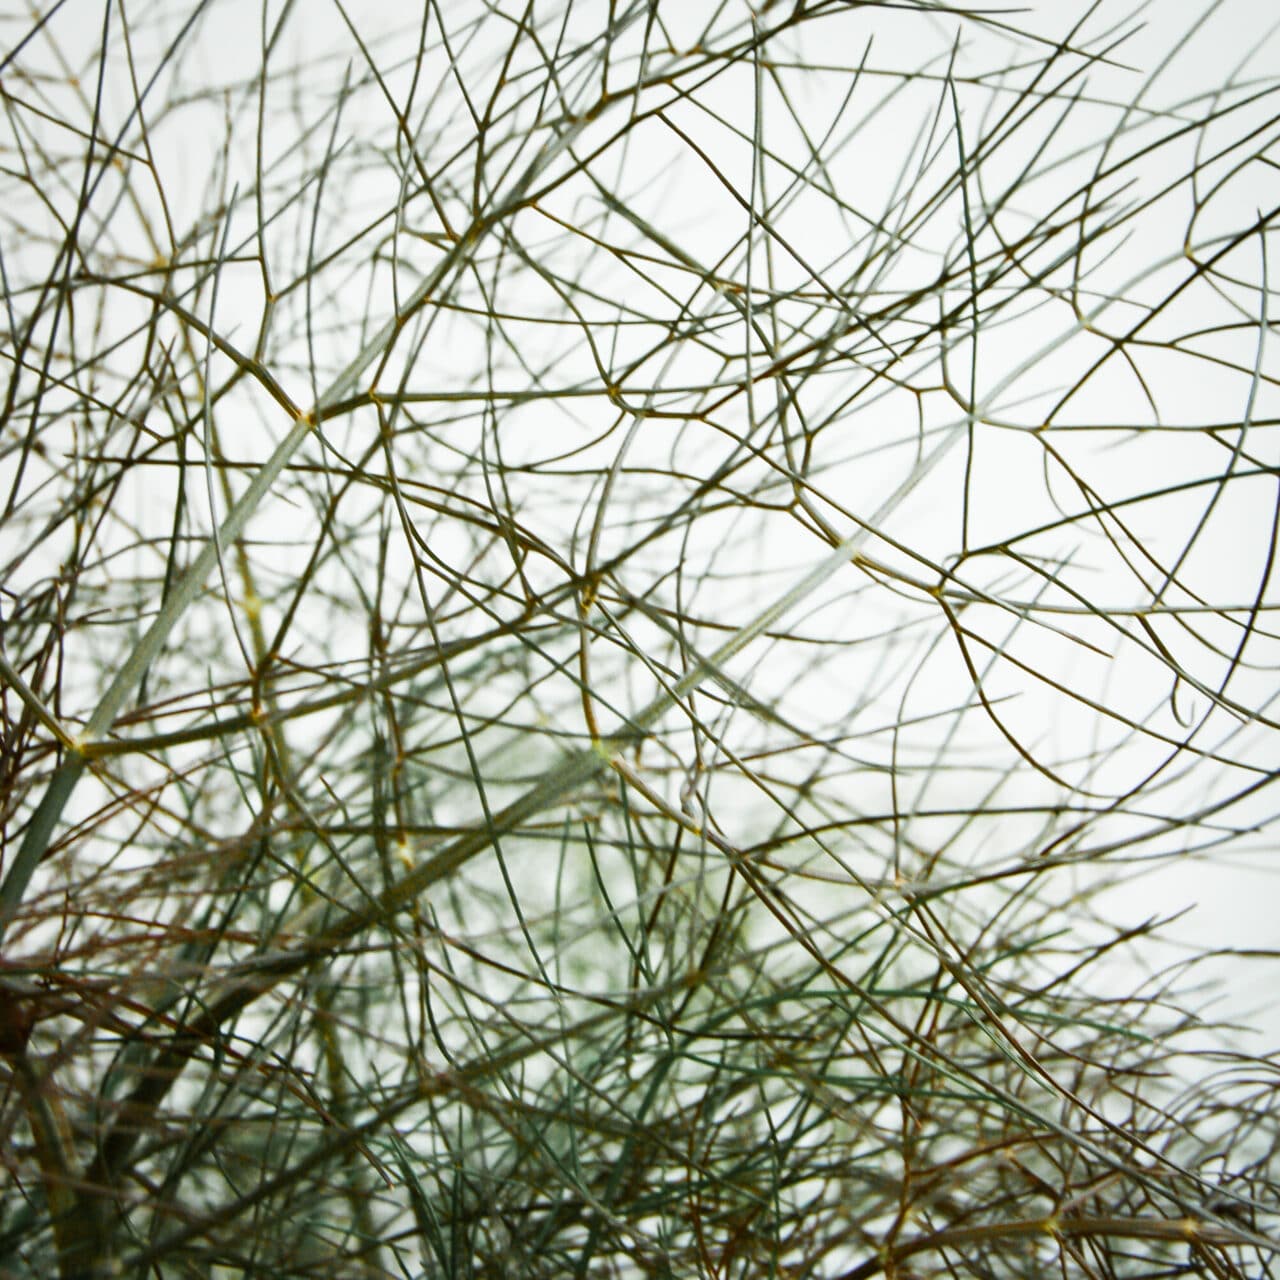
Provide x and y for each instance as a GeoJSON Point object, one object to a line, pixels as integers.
{"type": "Point", "coordinates": [603, 605]}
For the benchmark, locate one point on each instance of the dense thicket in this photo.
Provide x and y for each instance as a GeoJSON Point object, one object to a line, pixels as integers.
{"type": "Point", "coordinates": [615, 617]}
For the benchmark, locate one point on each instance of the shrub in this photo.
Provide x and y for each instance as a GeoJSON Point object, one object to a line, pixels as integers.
{"type": "Point", "coordinates": [614, 617]}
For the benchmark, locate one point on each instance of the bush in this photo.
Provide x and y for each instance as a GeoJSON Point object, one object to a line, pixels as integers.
{"type": "Point", "coordinates": [614, 618]}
